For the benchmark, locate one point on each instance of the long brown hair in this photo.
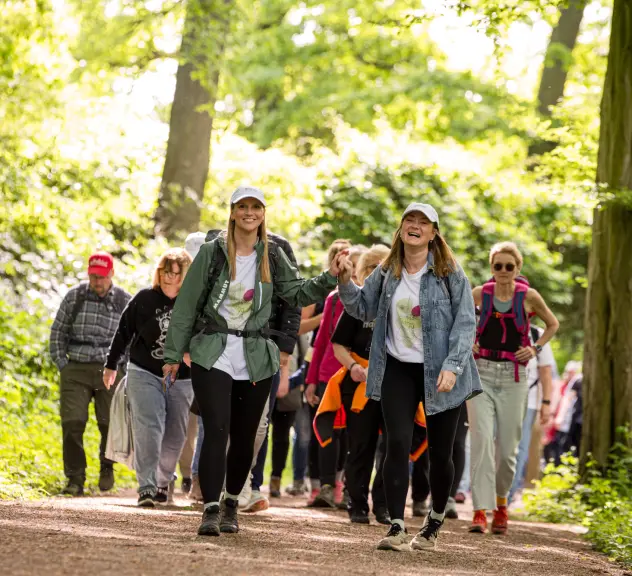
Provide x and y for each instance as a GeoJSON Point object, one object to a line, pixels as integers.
{"type": "Point", "coordinates": [172, 256]}
{"type": "Point", "coordinates": [231, 247]}
{"type": "Point", "coordinates": [444, 260]}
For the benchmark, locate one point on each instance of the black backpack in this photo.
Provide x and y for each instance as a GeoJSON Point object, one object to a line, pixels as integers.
{"type": "Point", "coordinates": [82, 296]}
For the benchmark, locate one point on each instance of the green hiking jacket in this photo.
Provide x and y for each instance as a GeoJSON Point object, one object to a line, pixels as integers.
{"type": "Point", "coordinates": [197, 298]}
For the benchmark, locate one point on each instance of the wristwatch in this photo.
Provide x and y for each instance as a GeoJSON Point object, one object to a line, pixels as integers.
{"type": "Point", "coordinates": [538, 348]}
{"type": "Point", "coordinates": [548, 402]}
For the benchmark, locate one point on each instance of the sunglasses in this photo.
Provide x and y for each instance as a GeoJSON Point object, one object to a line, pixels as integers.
{"type": "Point", "coordinates": [509, 267]}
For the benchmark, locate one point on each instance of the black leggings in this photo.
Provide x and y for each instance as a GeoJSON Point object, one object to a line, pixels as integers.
{"type": "Point", "coordinates": [421, 468]}
{"type": "Point", "coordinates": [282, 422]}
{"type": "Point", "coordinates": [363, 431]}
{"type": "Point", "coordinates": [402, 391]}
{"type": "Point", "coordinates": [228, 408]}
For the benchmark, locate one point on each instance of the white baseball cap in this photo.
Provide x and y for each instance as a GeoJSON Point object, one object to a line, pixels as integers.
{"type": "Point", "coordinates": [194, 242]}
{"type": "Point", "coordinates": [247, 192]}
{"type": "Point", "coordinates": [425, 209]}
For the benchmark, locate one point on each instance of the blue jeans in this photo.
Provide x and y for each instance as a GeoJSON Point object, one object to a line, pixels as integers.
{"type": "Point", "coordinates": [257, 469]}
{"type": "Point", "coordinates": [302, 434]}
{"type": "Point", "coordinates": [159, 421]}
{"type": "Point", "coordinates": [195, 465]}
{"type": "Point", "coordinates": [523, 451]}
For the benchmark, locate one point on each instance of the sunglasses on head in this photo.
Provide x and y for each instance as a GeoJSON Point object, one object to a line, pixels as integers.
{"type": "Point", "coordinates": [499, 266]}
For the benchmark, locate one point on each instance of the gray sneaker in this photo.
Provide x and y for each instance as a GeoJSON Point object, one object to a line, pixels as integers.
{"type": "Point", "coordinates": [426, 538]}
{"type": "Point", "coordinates": [325, 498]}
{"type": "Point", "coordinates": [396, 539]}
{"type": "Point", "coordinates": [450, 509]}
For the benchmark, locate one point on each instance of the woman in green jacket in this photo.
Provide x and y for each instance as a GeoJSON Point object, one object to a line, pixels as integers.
{"type": "Point", "coordinates": [221, 319]}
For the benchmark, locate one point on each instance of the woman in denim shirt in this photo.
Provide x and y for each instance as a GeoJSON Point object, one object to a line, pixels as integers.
{"type": "Point", "coordinates": [421, 351]}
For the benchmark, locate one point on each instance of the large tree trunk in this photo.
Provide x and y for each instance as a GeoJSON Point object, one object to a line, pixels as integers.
{"type": "Point", "coordinates": [556, 64]}
{"type": "Point", "coordinates": [607, 387]}
{"type": "Point", "coordinates": [188, 148]}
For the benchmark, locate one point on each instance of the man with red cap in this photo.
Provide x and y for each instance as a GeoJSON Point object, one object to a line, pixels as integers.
{"type": "Point", "coordinates": [80, 337]}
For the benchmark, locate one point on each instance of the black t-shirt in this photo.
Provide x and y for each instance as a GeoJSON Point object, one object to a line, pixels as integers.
{"type": "Point", "coordinates": [144, 324]}
{"type": "Point", "coordinates": [356, 335]}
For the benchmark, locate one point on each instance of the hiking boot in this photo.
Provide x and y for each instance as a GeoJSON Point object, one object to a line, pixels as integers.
{"type": "Point", "coordinates": [499, 521]}
{"type": "Point", "coordinates": [426, 538]}
{"type": "Point", "coordinates": [325, 498]}
{"type": "Point", "coordinates": [146, 499]}
{"type": "Point", "coordinates": [229, 523]}
{"type": "Point", "coordinates": [258, 502]}
{"type": "Point", "coordinates": [297, 489]}
{"type": "Point", "coordinates": [359, 516]}
{"type": "Point", "coordinates": [450, 509]}
{"type": "Point", "coordinates": [73, 488]}
{"type": "Point", "coordinates": [459, 498]}
{"type": "Point", "coordinates": [106, 479]}
{"type": "Point", "coordinates": [275, 487]}
{"type": "Point", "coordinates": [162, 495]}
{"type": "Point", "coordinates": [420, 509]}
{"type": "Point", "coordinates": [195, 493]}
{"type": "Point", "coordinates": [479, 523]}
{"type": "Point", "coordinates": [210, 521]}
{"type": "Point", "coordinates": [382, 516]}
{"type": "Point", "coordinates": [344, 503]}
{"type": "Point", "coordinates": [185, 487]}
{"type": "Point", "coordinates": [396, 539]}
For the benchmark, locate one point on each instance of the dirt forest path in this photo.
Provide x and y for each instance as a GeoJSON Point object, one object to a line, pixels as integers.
{"type": "Point", "coordinates": [110, 535]}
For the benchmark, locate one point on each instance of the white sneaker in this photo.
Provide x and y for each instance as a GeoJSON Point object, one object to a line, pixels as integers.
{"type": "Point", "coordinates": [426, 538]}
{"type": "Point", "coordinates": [257, 503]}
{"type": "Point", "coordinates": [246, 491]}
{"type": "Point", "coordinates": [396, 539]}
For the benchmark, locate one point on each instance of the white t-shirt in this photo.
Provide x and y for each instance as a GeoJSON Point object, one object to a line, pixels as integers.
{"type": "Point", "coordinates": [544, 358]}
{"type": "Point", "coordinates": [404, 338]}
{"type": "Point", "coordinates": [236, 309]}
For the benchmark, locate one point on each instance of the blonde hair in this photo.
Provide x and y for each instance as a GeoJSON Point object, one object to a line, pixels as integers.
{"type": "Point", "coordinates": [506, 248]}
{"type": "Point", "coordinates": [337, 246]}
{"type": "Point", "coordinates": [172, 256]}
{"type": "Point", "coordinates": [444, 260]}
{"type": "Point", "coordinates": [231, 247]}
{"type": "Point", "coordinates": [370, 260]}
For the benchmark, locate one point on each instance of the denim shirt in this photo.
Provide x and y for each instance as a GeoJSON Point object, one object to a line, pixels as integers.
{"type": "Point", "coordinates": [448, 325]}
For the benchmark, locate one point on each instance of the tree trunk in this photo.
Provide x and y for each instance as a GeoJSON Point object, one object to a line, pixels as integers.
{"type": "Point", "coordinates": [556, 64]}
{"type": "Point", "coordinates": [188, 148]}
{"type": "Point", "coordinates": [607, 387]}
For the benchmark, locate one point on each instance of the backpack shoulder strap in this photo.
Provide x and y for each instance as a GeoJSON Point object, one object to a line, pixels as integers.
{"type": "Point", "coordinates": [521, 319]}
{"type": "Point", "coordinates": [334, 301]}
{"type": "Point", "coordinates": [273, 258]}
{"type": "Point", "coordinates": [219, 260]}
{"type": "Point", "coordinates": [82, 295]}
{"type": "Point", "coordinates": [487, 306]}
{"type": "Point", "coordinates": [119, 299]}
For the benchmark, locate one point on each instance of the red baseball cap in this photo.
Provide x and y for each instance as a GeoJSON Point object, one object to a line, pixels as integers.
{"type": "Point", "coordinates": [100, 263]}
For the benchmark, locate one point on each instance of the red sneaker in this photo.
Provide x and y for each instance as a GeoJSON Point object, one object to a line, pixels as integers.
{"type": "Point", "coordinates": [479, 523]}
{"type": "Point", "coordinates": [499, 522]}
{"type": "Point", "coordinates": [314, 494]}
{"type": "Point", "coordinates": [338, 492]}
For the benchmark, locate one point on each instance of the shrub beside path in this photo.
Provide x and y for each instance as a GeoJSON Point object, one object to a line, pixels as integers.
{"type": "Point", "coordinates": [110, 535]}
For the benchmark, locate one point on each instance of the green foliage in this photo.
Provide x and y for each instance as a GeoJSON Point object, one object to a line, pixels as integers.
{"type": "Point", "coordinates": [602, 501]}
{"type": "Point", "coordinates": [30, 436]}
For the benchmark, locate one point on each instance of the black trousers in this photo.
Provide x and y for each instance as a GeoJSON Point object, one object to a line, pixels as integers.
{"type": "Point", "coordinates": [363, 431]}
{"type": "Point", "coordinates": [282, 422]}
{"type": "Point", "coordinates": [402, 390]}
{"type": "Point", "coordinates": [228, 408]}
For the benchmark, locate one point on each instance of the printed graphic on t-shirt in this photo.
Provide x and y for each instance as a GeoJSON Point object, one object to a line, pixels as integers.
{"type": "Point", "coordinates": [163, 323]}
{"type": "Point", "coordinates": [239, 304]}
{"type": "Point", "coordinates": [409, 321]}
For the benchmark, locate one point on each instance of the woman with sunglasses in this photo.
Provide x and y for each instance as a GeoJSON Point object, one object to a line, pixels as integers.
{"type": "Point", "coordinates": [159, 415]}
{"type": "Point", "coordinates": [421, 351]}
{"type": "Point", "coordinates": [502, 350]}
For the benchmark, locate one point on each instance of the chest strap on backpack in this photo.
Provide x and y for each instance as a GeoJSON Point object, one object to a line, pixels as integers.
{"type": "Point", "coordinates": [209, 327]}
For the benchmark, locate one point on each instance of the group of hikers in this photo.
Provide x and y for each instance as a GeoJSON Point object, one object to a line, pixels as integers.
{"type": "Point", "coordinates": [383, 364]}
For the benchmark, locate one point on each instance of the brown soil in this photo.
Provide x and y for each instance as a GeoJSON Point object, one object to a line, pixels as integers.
{"type": "Point", "coordinates": [109, 535]}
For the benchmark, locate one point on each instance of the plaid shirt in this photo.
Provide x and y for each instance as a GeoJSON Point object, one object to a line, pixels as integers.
{"type": "Point", "coordinates": [88, 338]}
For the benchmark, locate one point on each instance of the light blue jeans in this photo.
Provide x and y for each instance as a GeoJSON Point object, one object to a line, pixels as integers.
{"type": "Point", "coordinates": [523, 451]}
{"type": "Point", "coordinates": [464, 486]}
{"type": "Point", "coordinates": [159, 421]}
{"type": "Point", "coordinates": [195, 465]}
